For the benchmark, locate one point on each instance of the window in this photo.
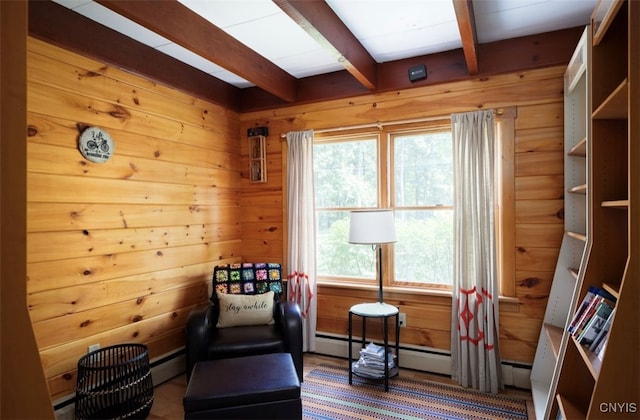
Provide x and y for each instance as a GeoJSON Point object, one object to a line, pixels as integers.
{"type": "Point", "coordinates": [410, 171]}
{"type": "Point", "coordinates": [422, 184]}
{"type": "Point", "coordinates": [346, 177]}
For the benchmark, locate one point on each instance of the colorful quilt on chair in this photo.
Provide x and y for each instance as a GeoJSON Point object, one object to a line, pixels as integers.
{"type": "Point", "coordinates": [247, 278]}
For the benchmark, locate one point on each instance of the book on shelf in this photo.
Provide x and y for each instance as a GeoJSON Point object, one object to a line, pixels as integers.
{"type": "Point", "coordinates": [587, 308]}
{"type": "Point", "coordinates": [599, 352]}
{"type": "Point", "coordinates": [583, 306]}
{"type": "Point", "coordinates": [589, 313]}
{"type": "Point", "coordinates": [596, 323]}
{"type": "Point", "coordinates": [598, 343]}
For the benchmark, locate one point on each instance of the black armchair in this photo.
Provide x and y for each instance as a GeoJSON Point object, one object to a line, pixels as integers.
{"type": "Point", "coordinates": [204, 341]}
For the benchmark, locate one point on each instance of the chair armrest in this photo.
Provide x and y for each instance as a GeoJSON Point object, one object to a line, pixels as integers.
{"type": "Point", "coordinates": [198, 333]}
{"type": "Point", "coordinates": [290, 320]}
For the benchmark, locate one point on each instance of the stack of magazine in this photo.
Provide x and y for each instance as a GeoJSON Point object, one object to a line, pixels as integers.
{"type": "Point", "coordinates": [371, 362]}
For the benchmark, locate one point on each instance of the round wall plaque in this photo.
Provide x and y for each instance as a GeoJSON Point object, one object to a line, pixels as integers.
{"type": "Point", "coordinates": [96, 145]}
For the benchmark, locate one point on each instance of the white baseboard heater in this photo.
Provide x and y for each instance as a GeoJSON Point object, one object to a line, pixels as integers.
{"type": "Point", "coordinates": [424, 359]}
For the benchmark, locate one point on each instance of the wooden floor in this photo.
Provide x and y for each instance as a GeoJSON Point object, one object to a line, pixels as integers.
{"type": "Point", "coordinates": [168, 396]}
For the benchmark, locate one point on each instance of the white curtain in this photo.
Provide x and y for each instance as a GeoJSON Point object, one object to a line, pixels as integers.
{"type": "Point", "coordinates": [475, 357]}
{"type": "Point", "coordinates": [301, 253]}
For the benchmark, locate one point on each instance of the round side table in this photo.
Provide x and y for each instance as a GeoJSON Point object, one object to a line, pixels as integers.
{"type": "Point", "coordinates": [376, 310]}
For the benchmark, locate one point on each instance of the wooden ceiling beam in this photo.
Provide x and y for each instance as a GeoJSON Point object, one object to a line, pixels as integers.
{"type": "Point", "coordinates": [179, 24]}
{"type": "Point", "coordinates": [60, 26]}
{"type": "Point", "coordinates": [56, 24]}
{"type": "Point", "coordinates": [468, 34]}
{"type": "Point", "coordinates": [525, 53]}
{"type": "Point", "coordinates": [326, 28]}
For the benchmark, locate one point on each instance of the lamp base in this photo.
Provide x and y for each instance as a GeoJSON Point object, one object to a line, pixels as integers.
{"type": "Point", "coordinates": [380, 300]}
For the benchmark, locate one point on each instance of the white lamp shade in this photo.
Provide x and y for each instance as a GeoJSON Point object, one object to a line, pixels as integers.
{"type": "Point", "coordinates": [372, 227]}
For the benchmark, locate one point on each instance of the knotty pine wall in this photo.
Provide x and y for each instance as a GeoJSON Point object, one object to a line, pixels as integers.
{"type": "Point", "coordinates": [537, 225]}
{"type": "Point", "coordinates": [121, 251]}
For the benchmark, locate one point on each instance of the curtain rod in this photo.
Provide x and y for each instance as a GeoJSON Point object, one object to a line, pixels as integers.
{"type": "Point", "coordinates": [380, 125]}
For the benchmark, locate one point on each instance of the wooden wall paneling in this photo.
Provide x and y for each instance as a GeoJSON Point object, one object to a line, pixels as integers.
{"type": "Point", "coordinates": [539, 187]}
{"type": "Point", "coordinates": [538, 190]}
{"type": "Point", "coordinates": [62, 384]}
{"type": "Point", "coordinates": [90, 216]}
{"type": "Point", "coordinates": [262, 250]}
{"type": "Point", "coordinates": [535, 116]}
{"type": "Point", "coordinates": [266, 231]}
{"type": "Point", "coordinates": [45, 100]}
{"type": "Point", "coordinates": [122, 251]}
{"type": "Point", "coordinates": [57, 245]}
{"type": "Point", "coordinates": [54, 131]}
{"type": "Point", "coordinates": [516, 350]}
{"type": "Point", "coordinates": [100, 190]}
{"type": "Point", "coordinates": [293, 117]}
{"type": "Point", "coordinates": [541, 235]}
{"type": "Point", "coordinates": [267, 196]}
{"type": "Point", "coordinates": [539, 224]}
{"type": "Point", "coordinates": [531, 306]}
{"type": "Point", "coordinates": [536, 259]}
{"type": "Point", "coordinates": [64, 357]}
{"type": "Point", "coordinates": [113, 116]}
{"type": "Point", "coordinates": [539, 211]}
{"type": "Point", "coordinates": [55, 160]}
{"type": "Point", "coordinates": [260, 214]}
{"type": "Point", "coordinates": [262, 219]}
{"type": "Point", "coordinates": [60, 302]}
{"type": "Point", "coordinates": [520, 328]}
{"type": "Point", "coordinates": [93, 67]}
{"type": "Point", "coordinates": [70, 327]}
{"type": "Point", "coordinates": [383, 109]}
{"type": "Point", "coordinates": [537, 162]}
{"type": "Point", "coordinates": [78, 271]}
{"type": "Point", "coordinates": [540, 139]}
{"type": "Point", "coordinates": [94, 82]}
{"type": "Point", "coordinates": [536, 283]}
{"type": "Point", "coordinates": [506, 210]}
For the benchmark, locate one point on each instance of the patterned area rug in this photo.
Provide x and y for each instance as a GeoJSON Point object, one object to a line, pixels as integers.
{"type": "Point", "coordinates": [326, 394]}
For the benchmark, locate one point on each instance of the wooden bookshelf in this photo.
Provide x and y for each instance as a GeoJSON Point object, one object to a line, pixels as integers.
{"type": "Point", "coordinates": [568, 409]}
{"type": "Point", "coordinates": [554, 339]}
{"type": "Point", "coordinates": [590, 360]}
{"type": "Point", "coordinates": [602, 17]}
{"type": "Point", "coordinates": [586, 384]}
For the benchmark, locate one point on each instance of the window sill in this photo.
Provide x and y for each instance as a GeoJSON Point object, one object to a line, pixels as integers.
{"type": "Point", "coordinates": [508, 303]}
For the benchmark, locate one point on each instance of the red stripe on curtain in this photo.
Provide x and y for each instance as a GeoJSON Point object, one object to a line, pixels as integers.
{"type": "Point", "coordinates": [295, 292]}
{"type": "Point", "coordinates": [467, 315]}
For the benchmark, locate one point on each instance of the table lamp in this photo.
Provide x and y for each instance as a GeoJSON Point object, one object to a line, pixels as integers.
{"type": "Point", "coordinates": [373, 227]}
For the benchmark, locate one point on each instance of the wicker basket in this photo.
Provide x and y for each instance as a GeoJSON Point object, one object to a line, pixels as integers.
{"type": "Point", "coordinates": [114, 383]}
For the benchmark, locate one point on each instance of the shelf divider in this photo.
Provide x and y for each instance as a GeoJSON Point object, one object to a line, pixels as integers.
{"type": "Point", "coordinates": [555, 337]}
{"type": "Point", "coordinates": [614, 107]}
{"type": "Point", "coordinates": [580, 149]}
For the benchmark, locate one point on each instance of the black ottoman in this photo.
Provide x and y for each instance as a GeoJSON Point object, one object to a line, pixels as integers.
{"type": "Point", "coordinates": [253, 387]}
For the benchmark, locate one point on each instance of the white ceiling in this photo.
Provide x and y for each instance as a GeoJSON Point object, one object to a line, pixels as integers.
{"type": "Point", "coordinates": [388, 29]}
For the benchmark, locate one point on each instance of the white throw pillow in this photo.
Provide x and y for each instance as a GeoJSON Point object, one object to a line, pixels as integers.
{"type": "Point", "coordinates": [237, 310]}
